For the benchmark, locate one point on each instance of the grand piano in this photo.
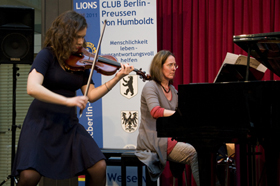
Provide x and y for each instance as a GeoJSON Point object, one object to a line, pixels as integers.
{"type": "Point", "coordinates": [245, 112]}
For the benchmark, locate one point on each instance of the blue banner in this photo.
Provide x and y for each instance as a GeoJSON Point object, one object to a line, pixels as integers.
{"type": "Point", "coordinates": [130, 37]}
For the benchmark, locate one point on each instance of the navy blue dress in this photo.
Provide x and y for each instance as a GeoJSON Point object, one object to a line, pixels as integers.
{"type": "Point", "coordinates": [52, 141]}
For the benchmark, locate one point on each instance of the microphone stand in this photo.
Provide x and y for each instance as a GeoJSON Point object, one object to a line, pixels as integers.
{"type": "Point", "coordinates": [14, 126]}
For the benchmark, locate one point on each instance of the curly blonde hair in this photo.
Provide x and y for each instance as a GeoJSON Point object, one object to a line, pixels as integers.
{"type": "Point", "coordinates": [157, 64]}
{"type": "Point", "coordinates": [60, 36]}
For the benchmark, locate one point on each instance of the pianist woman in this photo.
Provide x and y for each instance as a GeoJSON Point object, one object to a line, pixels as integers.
{"type": "Point", "coordinates": [159, 99]}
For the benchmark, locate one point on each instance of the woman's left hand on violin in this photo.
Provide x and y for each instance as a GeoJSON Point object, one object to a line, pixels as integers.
{"type": "Point", "coordinates": [124, 70]}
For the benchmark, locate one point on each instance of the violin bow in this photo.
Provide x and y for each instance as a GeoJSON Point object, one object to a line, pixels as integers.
{"type": "Point", "coordinates": [93, 63]}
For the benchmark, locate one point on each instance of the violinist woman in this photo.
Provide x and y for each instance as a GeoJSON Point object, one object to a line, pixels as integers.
{"type": "Point", "coordinates": [52, 142]}
{"type": "Point", "coordinates": [159, 99]}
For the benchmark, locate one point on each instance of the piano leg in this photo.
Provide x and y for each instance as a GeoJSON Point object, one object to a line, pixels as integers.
{"type": "Point", "coordinates": [206, 165]}
{"type": "Point", "coordinates": [241, 164]}
{"type": "Point", "coordinates": [271, 148]}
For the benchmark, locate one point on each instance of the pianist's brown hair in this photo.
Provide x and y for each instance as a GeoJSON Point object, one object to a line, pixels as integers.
{"type": "Point", "coordinates": [63, 31]}
{"type": "Point", "coordinates": [157, 64]}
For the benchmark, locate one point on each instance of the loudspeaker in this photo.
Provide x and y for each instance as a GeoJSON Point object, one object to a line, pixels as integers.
{"type": "Point", "coordinates": [16, 35]}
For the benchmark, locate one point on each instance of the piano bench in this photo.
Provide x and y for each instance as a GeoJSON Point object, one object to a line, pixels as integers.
{"type": "Point", "coordinates": [113, 156]}
{"type": "Point", "coordinates": [130, 159]}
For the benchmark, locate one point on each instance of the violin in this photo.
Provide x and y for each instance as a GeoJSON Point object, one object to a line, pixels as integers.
{"type": "Point", "coordinates": [105, 64]}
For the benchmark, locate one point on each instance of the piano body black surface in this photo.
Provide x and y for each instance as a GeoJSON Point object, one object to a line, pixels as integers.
{"type": "Point", "coordinates": [244, 112]}
{"type": "Point", "coordinates": [231, 110]}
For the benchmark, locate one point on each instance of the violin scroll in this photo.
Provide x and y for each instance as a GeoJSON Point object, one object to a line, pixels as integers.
{"type": "Point", "coordinates": [142, 74]}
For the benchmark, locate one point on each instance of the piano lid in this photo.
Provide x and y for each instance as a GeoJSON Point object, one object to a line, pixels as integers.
{"type": "Point", "coordinates": [265, 48]}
